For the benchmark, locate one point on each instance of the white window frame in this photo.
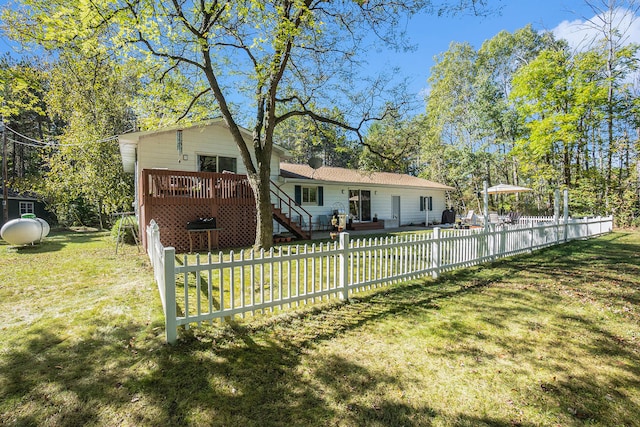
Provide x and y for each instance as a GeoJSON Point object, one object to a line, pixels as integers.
{"type": "Point", "coordinates": [27, 208]}
{"type": "Point", "coordinates": [309, 196]}
{"type": "Point", "coordinates": [218, 162]}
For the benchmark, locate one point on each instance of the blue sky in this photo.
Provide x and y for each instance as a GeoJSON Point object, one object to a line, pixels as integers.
{"type": "Point", "coordinates": [432, 34]}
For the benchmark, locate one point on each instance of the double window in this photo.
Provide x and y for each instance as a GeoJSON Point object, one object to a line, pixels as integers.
{"type": "Point", "coordinates": [309, 195]}
{"type": "Point", "coordinates": [217, 164]}
{"type": "Point", "coordinates": [27, 208]}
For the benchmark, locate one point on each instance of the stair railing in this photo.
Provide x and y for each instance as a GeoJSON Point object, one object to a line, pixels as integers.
{"type": "Point", "coordinates": [289, 207]}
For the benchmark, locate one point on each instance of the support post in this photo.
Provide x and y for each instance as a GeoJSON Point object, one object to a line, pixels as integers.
{"type": "Point", "coordinates": [435, 253]}
{"type": "Point", "coordinates": [343, 261]}
{"type": "Point", "coordinates": [556, 214]}
{"type": "Point", "coordinates": [5, 174]}
{"type": "Point", "coordinates": [485, 211]}
{"type": "Point", "coordinates": [170, 312]}
{"type": "Point", "coordinates": [492, 238]}
{"type": "Point", "coordinates": [566, 214]}
{"type": "Point", "coordinates": [532, 235]}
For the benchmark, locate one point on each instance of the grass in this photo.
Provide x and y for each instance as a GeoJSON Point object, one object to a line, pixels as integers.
{"type": "Point", "coordinates": [543, 340]}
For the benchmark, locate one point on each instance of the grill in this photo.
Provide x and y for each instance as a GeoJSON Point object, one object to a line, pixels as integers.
{"type": "Point", "coordinates": [201, 223]}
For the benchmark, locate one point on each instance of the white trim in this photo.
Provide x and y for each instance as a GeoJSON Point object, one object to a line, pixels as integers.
{"type": "Point", "coordinates": [29, 205]}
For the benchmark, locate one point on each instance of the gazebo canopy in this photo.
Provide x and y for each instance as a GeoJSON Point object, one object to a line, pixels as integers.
{"type": "Point", "coordinates": [506, 189]}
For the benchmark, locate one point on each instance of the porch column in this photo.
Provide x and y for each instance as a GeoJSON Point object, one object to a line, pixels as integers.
{"type": "Point", "coordinates": [485, 212]}
{"type": "Point", "coordinates": [566, 213]}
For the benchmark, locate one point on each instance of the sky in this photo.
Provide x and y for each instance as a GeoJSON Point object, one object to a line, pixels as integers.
{"type": "Point", "coordinates": [432, 35]}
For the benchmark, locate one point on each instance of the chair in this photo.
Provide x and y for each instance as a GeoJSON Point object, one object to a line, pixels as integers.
{"type": "Point", "coordinates": [301, 221]}
{"type": "Point", "coordinates": [323, 223]}
{"type": "Point", "coordinates": [494, 219]}
{"type": "Point", "coordinates": [470, 219]}
{"type": "Point", "coordinates": [512, 218]}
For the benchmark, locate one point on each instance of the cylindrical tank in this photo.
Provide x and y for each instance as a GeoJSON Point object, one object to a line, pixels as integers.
{"type": "Point", "coordinates": [24, 231]}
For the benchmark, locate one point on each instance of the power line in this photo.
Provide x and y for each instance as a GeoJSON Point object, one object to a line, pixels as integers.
{"type": "Point", "coordinates": [27, 144]}
{"type": "Point", "coordinates": [54, 144]}
{"type": "Point", "coordinates": [24, 136]}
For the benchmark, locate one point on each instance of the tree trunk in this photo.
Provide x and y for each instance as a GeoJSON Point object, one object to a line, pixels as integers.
{"type": "Point", "coordinates": [261, 184]}
{"type": "Point", "coordinates": [567, 166]}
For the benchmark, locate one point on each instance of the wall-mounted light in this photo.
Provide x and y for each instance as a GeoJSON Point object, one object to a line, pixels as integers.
{"type": "Point", "coordinates": [342, 191]}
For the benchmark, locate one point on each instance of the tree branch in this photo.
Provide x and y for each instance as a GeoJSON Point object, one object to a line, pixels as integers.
{"type": "Point", "coordinates": [192, 103]}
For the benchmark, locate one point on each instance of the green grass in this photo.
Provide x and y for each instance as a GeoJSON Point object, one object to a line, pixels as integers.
{"type": "Point", "coordinates": [543, 340]}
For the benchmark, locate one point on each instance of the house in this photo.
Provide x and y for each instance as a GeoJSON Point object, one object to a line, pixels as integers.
{"type": "Point", "coordinates": [183, 174]}
{"type": "Point", "coordinates": [390, 199]}
{"type": "Point", "coordinates": [24, 203]}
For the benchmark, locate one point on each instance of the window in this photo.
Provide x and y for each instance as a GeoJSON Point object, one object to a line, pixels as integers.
{"type": "Point", "coordinates": [217, 164]}
{"type": "Point", "coordinates": [426, 203]}
{"type": "Point", "coordinates": [309, 195]}
{"type": "Point", "coordinates": [27, 208]}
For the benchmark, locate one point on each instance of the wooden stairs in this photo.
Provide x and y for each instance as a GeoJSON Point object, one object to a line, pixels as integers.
{"type": "Point", "coordinates": [290, 214]}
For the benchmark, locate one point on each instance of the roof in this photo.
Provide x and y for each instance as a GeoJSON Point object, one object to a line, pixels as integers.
{"type": "Point", "coordinates": [129, 141]}
{"type": "Point", "coordinates": [12, 194]}
{"type": "Point", "coordinates": [330, 174]}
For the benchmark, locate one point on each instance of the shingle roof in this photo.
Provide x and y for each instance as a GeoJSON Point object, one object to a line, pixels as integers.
{"type": "Point", "coordinates": [12, 194]}
{"type": "Point", "coordinates": [350, 176]}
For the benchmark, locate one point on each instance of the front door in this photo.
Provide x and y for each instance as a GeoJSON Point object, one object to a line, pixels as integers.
{"type": "Point", "coordinates": [360, 204]}
{"type": "Point", "coordinates": [395, 208]}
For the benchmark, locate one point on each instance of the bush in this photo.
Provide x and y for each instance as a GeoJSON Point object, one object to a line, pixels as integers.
{"type": "Point", "coordinates": [127, 231]}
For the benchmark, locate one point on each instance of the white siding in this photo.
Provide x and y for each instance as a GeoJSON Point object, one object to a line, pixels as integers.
{"type": "Point", "coordinates": [380, 200]}
{"type": "Point", "coordinates": [160, 151]}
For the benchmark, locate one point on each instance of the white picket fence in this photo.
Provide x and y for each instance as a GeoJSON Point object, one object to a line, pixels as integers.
{"type": "Point", "coordinates": [219, 286]}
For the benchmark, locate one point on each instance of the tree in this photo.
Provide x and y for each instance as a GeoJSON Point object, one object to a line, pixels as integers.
{"type": "Point", "coordinates": [91, 97]}
{"type": "Point", "coordinates": [499, 58]}
{"type": "Point", "coordinates": [393, 145]}
{"type": "Point", "coordinates": [612, 21]}
{"type": "Point", "coordinates": [276, 59]}
{"type": "Point", "coordinates": [22, 111]}
{"type": "Point", "coordinates": [305, 138]}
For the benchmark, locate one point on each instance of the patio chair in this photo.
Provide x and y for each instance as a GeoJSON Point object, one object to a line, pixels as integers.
{"type": "Point", "coordinates": [470, 219]}
{"type": "Point", "coordinates": [512, 218]}
{"type": "Point", "coordinates": [301, 221]}
{"type": "Point", "coordinates": [323, 223]}
{"type": "Point", "coordinates": [494, 219]}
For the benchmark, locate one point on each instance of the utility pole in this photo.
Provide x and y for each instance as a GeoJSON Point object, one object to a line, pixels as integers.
{"type": "Point", "coordinates": [5, 190]}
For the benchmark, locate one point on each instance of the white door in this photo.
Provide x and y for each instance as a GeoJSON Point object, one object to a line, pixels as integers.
{"type": "Point", "coordinates": [395, 208]}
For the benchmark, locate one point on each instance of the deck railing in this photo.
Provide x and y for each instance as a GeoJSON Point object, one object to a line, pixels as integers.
{"type": "Point", "coordinates": [226, 188]}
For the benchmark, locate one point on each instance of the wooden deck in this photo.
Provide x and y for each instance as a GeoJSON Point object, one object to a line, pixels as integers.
{"type": "Point", "coordinates": [174, 198]}
{"type": "Point", "coordinates": [373, 225]}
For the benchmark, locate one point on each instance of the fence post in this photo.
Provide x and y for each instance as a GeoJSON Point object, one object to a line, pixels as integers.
{"type": "Point", "coordinates": [170, 313]}
{"type": "Point", "coordinates": [153, 232]}
{"type": "Point", "coordinates": [565, 218]}
{"type": "Point", "coordinates": [532, 236]}
{"type": "Point", "coordinates": [586, 226]}
{"type": "Point", "coordinates": [343, 260]}
{"type": "Point", "coordinates": [435, 253]}
{"type": "Point", "coordinates": [599, 225]}
{"type": "Point", "coordinates": [492, 238]}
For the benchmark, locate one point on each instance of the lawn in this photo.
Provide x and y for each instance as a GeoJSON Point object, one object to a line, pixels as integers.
{"type": "Point", "coordinates": [542, 340]}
